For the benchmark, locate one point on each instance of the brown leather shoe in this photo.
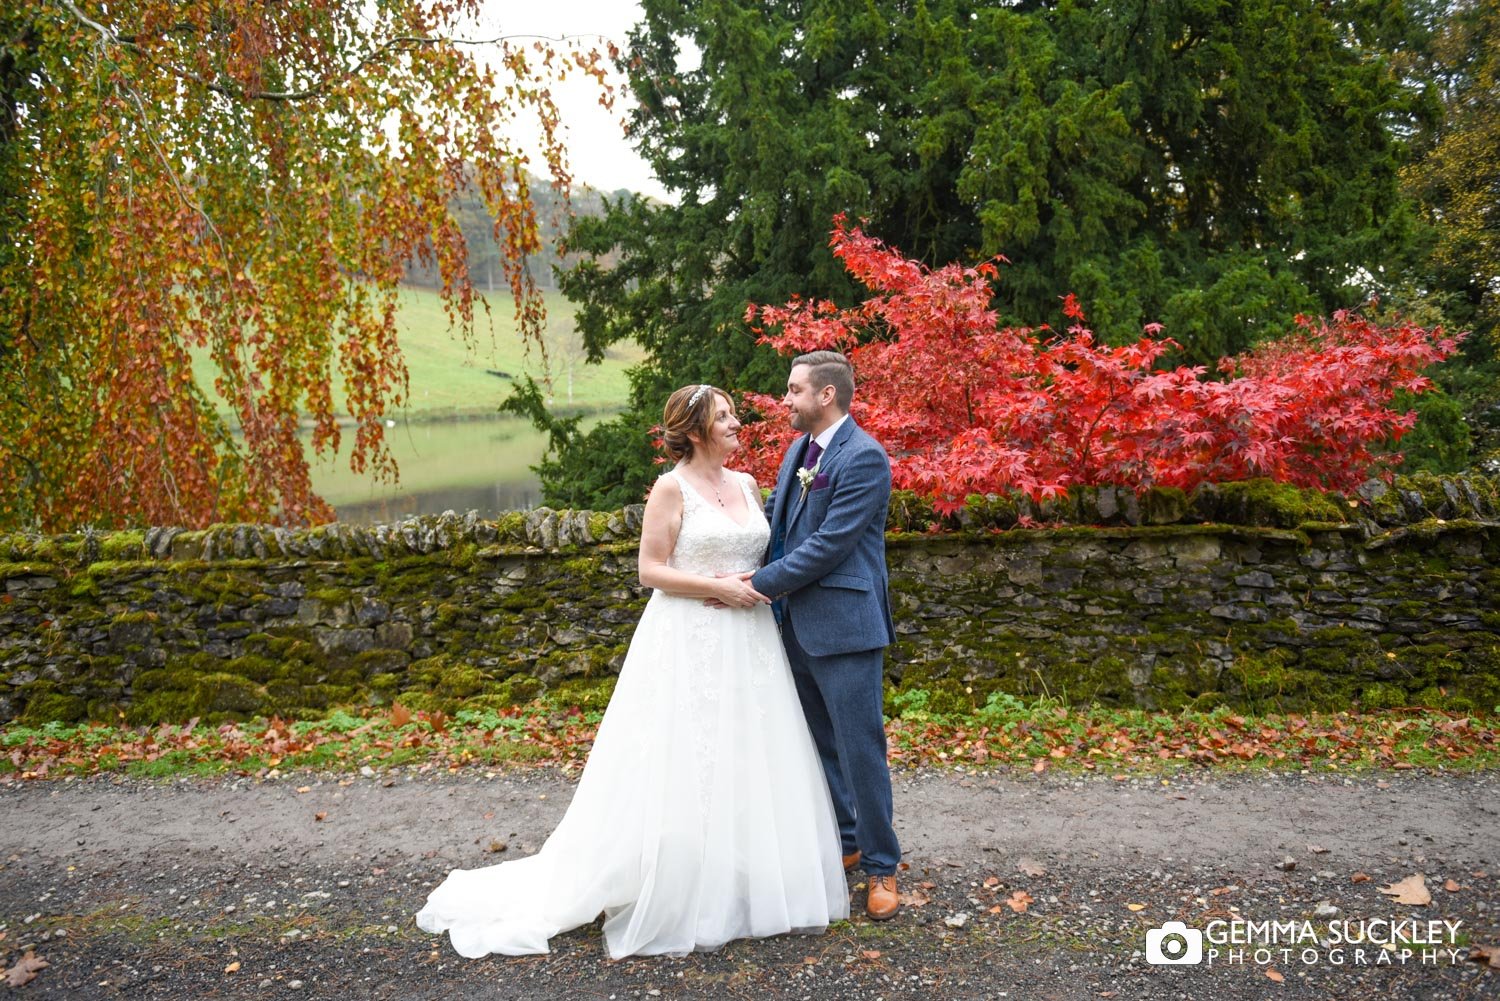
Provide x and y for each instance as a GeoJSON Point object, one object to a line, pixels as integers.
{"type": "Point", "coordinates": [884, 899]}
{"type": "Point", "coordinates": [851, 860]}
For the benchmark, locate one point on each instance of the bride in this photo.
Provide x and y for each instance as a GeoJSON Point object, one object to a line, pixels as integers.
{"type": "Point", "coordinates": [702, 814]}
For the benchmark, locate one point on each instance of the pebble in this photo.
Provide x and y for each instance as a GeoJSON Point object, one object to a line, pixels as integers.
{"type": "Point", "coordinates": [295, 985]}
{"type": "Point", "coordinates": [1326, 910]}
{"type": "Point", "coordinates": [1287, 864]}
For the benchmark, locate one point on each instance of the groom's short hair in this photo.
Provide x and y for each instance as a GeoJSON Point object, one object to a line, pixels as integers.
{"type": "Point", "coordinates": [829, 368]}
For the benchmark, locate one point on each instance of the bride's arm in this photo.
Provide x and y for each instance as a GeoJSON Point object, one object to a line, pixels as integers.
{"type": "Point", "coordinates": [659, 528]}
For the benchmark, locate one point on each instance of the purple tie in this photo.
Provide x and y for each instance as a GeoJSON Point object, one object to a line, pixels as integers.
{"type": "Point", "coordinates": [814, 450]}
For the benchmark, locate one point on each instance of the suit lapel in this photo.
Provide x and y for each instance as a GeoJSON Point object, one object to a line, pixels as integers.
{"type": "Point", "coordinates": [825, 461]}
{"type": "Point", "coordinates": [787, 482]}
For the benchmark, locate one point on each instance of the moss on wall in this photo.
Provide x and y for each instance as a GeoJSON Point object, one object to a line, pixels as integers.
{"type": "Point", "coordinates": [1307, 601]}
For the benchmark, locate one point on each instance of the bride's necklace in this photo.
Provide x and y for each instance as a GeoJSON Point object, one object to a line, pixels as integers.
{"type": "Point", "coordinates": [715, 487]}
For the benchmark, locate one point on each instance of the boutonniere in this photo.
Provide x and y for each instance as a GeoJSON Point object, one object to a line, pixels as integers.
{"type": "Point", "coordinates": [807, 477]}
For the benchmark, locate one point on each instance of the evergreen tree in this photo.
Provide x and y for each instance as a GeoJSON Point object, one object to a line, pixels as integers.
{"type": "Point", "coordinates": [1216, 166]}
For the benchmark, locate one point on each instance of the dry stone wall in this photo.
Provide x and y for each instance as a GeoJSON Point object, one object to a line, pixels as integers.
{"type": "Point", "coordinates": [1252, 595]}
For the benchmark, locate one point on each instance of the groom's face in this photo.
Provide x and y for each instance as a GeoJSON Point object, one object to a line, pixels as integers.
{"type": "Point", "coordinates": [805, 402]}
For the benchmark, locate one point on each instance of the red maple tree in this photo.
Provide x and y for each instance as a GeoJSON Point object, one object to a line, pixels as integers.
{"type": "Point", "coordinates": [965, 405]}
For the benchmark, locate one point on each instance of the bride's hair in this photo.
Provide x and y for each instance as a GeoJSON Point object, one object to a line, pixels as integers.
{"type": "Point", "coordinates": [689, 414]}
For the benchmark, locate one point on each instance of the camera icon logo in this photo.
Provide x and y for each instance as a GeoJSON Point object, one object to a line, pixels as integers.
{"type": "Point", "coordinates": [1174, 944]}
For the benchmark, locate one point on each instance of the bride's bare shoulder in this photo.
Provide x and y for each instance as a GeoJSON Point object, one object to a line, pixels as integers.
{"type": "Point", "coordinates": [666, 489]}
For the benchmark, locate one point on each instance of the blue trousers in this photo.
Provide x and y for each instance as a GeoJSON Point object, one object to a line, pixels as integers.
{"type": "Point", "coordinates": [843, 701]}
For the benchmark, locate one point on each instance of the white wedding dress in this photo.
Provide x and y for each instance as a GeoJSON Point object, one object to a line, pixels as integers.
{"type": "Point", "coordinates": [702, 814]}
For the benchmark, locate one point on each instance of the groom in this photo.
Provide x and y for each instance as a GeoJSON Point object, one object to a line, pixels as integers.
{"type": "Point", "coordinates": [826, 571]}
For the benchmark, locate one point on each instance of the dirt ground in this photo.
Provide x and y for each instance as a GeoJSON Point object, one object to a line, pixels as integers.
{"type": "Point", "coordinates": [305, 886]}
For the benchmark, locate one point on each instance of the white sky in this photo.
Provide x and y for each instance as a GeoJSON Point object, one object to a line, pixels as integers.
{"type": "Point", "coordinates": [597, 150]}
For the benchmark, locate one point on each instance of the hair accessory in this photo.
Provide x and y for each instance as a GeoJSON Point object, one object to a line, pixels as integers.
{"type": "Point", "coordinates": [698, 394]}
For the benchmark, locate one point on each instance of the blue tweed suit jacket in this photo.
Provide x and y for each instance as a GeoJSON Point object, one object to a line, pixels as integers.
{"type": "Point", "coordinates": [826, 562]}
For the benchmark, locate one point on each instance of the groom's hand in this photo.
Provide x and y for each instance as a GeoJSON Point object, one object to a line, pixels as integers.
{"type": "Point", "coordinates": [743, 575]}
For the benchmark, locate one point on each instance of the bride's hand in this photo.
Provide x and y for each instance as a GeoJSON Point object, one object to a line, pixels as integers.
{"type": "Point", "coordinates": [736, 592]}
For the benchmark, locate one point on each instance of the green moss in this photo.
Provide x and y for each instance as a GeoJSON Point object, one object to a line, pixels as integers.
{"type": "Point", "coordinates": [47, 705]}
{"type": "Point", "coordinates": [1163, 505]}
{"type": "Point", "coordinates": [252, 667]}
{"type": "Point", "coordinates": [1382, 695]}
{"type": "Point", "coordinates": [518, 689]}
{"type": "Point", "coordinates": [1270, 683]}
{"type": "Point", "coordinates": [8, 570]}
{"type": "Point", "coordinates": [585, 693]}
{"type": "Point", "coordinates": [581, 567]}
{"type": "Point", "coordinates": [129, 545]}
{"type": "Point", "coordinates": [420, 701]}
{"type": "Point", "coordinates": [1266, 502]}
{"type": "Point", "coordinates": [161, 707]}
{"type": "Point", "coordinates": [384, 686]}
{"type": "Point", "coordinates": [511, 526]}
{"type": "Point", "coordinates": [460, 681]}
{"type": "Point", "coordinates": [226, 693]}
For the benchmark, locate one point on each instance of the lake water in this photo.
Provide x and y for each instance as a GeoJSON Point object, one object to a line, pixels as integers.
{"type": "Point", "coordinates": [445, 465]}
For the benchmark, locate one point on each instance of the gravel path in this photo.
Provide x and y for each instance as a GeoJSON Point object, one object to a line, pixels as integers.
{"type": "Point", "coordinates": [304, 886]}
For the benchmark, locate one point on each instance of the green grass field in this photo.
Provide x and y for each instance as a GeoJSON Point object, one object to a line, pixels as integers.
{"type": "Point", "coordinates": [451, 377]}
{"type": "Point", "coordinates": [452, 447]}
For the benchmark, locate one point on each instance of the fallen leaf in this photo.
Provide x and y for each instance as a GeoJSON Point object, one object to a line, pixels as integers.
{"type": "Point", "coordinates": [1411, 890]}
{"type": "Point", "coordinates": [496, 845]}
{"type": "Point", "coordinates": [1275, 975]}
{"type": "Point", "coordinates": [1040, 766]}
{"type": "Point", "coordinates": [1452, 886]}
{"type": "Point", "coordinates": [489, 815]}
{"type": "Point", "coordinates": [991, 882]}
{"type": "Point", "coordinates": [1485, 955]}
{"type": "Point", "coordinates": [927, 884]}
{"type": "Point", "coordinates": [1136, 907]}
{"type": "Point", "coordinates": [302, 789]}
{"type": "Point", "coordinates": [321, 815]}
{"type": "Point", "coordinates": [1220, 891]}
{"type": "Point", "coordinates": [1031, 867]}
{"type": "Point", "coordinates": [1019, 901]}
{"type": "Point", "coordinates": [998, 909]}
{"type": "Point", "coordinates": [25, 970]}
{"type": "Point", "coordinates": [915, 898]}
{"type": "Point", "coordinates": [870, 954]}
{"type": "Point", "coordinates": [810, 960]}
{"type": "Point", "coordinates": [1359, 877]}
{"type": "Point", "coordinates": [400, 715]}
{"type": "Point", "coordinates": [233, 967]}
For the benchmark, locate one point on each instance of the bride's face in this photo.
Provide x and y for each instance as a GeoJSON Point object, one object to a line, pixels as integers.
{"type": "Point", "coordinates": [723, 433]}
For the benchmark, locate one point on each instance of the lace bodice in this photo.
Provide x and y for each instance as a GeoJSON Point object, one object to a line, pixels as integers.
{"type": "Point", "coordinates": [710, 541]}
